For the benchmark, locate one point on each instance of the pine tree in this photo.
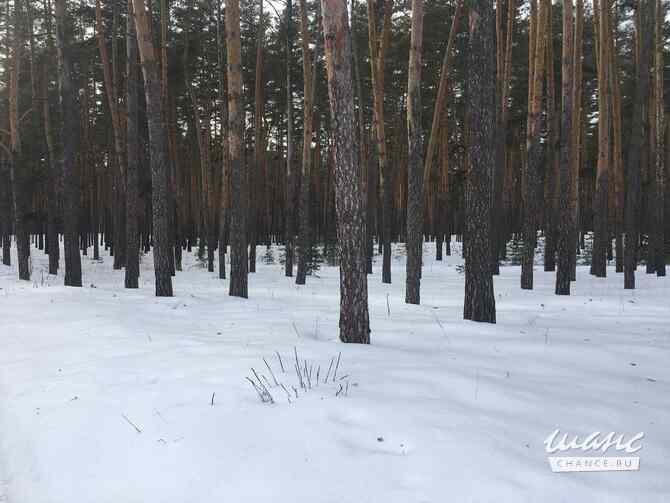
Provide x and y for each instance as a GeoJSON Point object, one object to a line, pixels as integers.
{"type": "Point", "coordinates": [158, 152]}
{"type": "Point", "coordinates": [479, 297]}
{"type": "Point", "coordinates": [238, 177]}
{"type": "Point", "coordinates": [414, 167]}
{"type": "Point", "coordinates": [354, 318]}
{"type": "Point", "coordinates": [70, 142]}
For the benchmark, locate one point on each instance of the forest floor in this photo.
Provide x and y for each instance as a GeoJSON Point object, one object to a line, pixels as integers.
{"type": "Point", "coordinates": [111, 395]}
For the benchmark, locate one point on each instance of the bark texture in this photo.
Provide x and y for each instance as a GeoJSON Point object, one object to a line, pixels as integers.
{"type": "Point", "coordinates": [479, 302]}
{"type": "Point", "coordinates": [414, 239]}
{"type": "Point", "coordinates": [70, 142]}
{"type": "Point", "coordinates": [238, 178]}
{"type": "Point", "coordinates": [354, 318]}
{"type": "Point", "coordinates": [158, 150]}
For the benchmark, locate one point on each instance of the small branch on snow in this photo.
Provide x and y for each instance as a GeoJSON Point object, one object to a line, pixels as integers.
{"type": "Point", "coordinates": [329, 369]}
{"type": "Point", "coordinates": [271, 373]}
{"type": "Point", "coordinates": [337, 366]}
{"type": "Point", "coordinates": [213, 399]}
{"type": "Point", "coordinates": [131, 423]}
{"type": "Point", "coordinates": [281, 364]}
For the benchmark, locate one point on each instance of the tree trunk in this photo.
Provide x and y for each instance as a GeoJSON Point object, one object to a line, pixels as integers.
{"type": "Point", "coordinates": [354, 318]}
{"type": "Point", "coordinates": [16, 161]}
{"type": "Point", "coordinates": [304, 239]}
{"type": "Point", "coordinates": [256, 202]}
{"type": "Point", "coordinates": [238, 177]}
{"type": "Point", "coordinates": [70, 142]}
{"type": "Point", "coordinates": [290, 169]}
{"type": "Point", "coordinates": [576, 156]}
{"type": "Point", "coordinates": [379, 42]}
{"type": "Point", "coordinates": [158, 152]}
{"type": "Point", "coordinates": [565, 223]}
{"type": "Point", "coordinates": [479, 302]}
{"type": "Point", "coordinates": [414, 239]}
{"type": "Point", "coordinates": [534, 147]}
{"type": "Point", "coordinates": [600, 202]}
{"type": "Point", "coordinates": [132, 181]}
{"type": "Point", "coordinates": [659, 163]}
{"type": "Point", "coordinates": [637, 142]}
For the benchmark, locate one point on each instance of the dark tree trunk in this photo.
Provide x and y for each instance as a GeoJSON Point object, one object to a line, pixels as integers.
{"type": "Point", "coordinates": [132, 180]}
{"type": "Point", "coordinates": [70, 141]}
{"type": "Point", "coordinates": [414, 240]}
{"type": "Point", "coordinates": [290, 169]}
{"type": "Point", "coordinates": [535, 150]}
{"type": "Point", "coordinates": [158, 152]}
{"type": "Point", "coordinates": [238, 177]}
{"type": "Point", "coordinates": [565, 223]}
{"type": "Point", "coordinates": [636, 144]}
{"type": "Point", "coordinates": [354, 318]}
{"type": "Point", "coordinates": [479, 304]}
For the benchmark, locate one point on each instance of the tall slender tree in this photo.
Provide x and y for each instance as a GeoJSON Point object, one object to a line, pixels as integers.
{"type": "Point", "coordinates": [479, 302]}
{"type": "Point", "coordinates": [378, 40]}
{"type": "Point", "coordinates": [70, 142]}
{"type": "Point", "coordinates": [535, 150]}
{"type": "Point", "coordinates": [601, 207]}
{"type": "Point", "coordinates": [658, 198]}
{"type": "Point", "coordinates": [637, 140]}
{"type": "Point", "coordinates": [158, 151]}
{"type": "Point", "coordinates": [414, 167]}
{"type": "Point", "coordinates": [132, 272]}
{"type": "Point", "coordinates": [354, 318]}
{"type": "Point", "coordinates": [565, 172]}
{"type": "Point", "coordinates": [304, 240]}
{"type": "Point", "coordinates": [238, 177]}
{"type": "Point", "coordinates": [290, 169]}
{"type": "Point", "coordinates": [17, 168]}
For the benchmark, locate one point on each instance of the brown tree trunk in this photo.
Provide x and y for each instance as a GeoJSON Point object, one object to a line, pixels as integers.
{"type": "Point", "coordinates": [576, 157]}
{"type": "Point", "coordinates": [290, 168]}
{"type": "Point", "coordinates": [304, 239]}
{"type": "Point", "coordinates": [17, 166]}
{"type": "Point", "coordinates": [534, 146]}
{"type": "Point", "coordinates": [565, 223]}
{"type": "Point", "coordinates": [504, 73]}
{"type": "Point", "coordinates": [479, 302]}
{"type": "Point", "coordinates": [158, 152]}
{"type": "Point", "coordinates": [600, 203]}
{"type": "Point", "coordinates": [132, 272]}
{"type": "Point", "coordinates": [70, 142]}
{"type": "Point", "coordinates": [225, 181]}
{"type": "Point", "coordinates": [637, 142]}
{"type": "Point", "coordinates": [256, 210]}
{"type": "Point", "coordinates": [658, 238]}
{"type": "Point", "coordinates": [354, 318]}
{"type": "Point", "coordinates": [379, 41]}
{"type": "Point", "coordinates": [238, 177]}
{"type": "Point", "coordinates": [414, 240]}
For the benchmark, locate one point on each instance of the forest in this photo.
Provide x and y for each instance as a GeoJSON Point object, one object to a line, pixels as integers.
{"type": "Point", "coordinates": [553, 122]}
{"type": "Point", "coordinates": [359, 171]}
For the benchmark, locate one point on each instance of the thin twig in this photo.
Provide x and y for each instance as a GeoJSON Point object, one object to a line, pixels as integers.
{"type": "Point", "coordinates": [337, 366]}
{"type": "Point", "coordinates": [281, 364]}
{"type": "Point", "coordinates": [271, 373]}
{"type": "Point", "coordinates": [288, 395]}
{"type": "Point", "coordinates": [329, 369]}
{"type": "Point", "coordinates": [131, 423]}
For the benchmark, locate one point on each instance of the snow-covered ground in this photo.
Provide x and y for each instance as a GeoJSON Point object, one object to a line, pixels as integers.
{"type": "Point", "coordinates": [106, 394]}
